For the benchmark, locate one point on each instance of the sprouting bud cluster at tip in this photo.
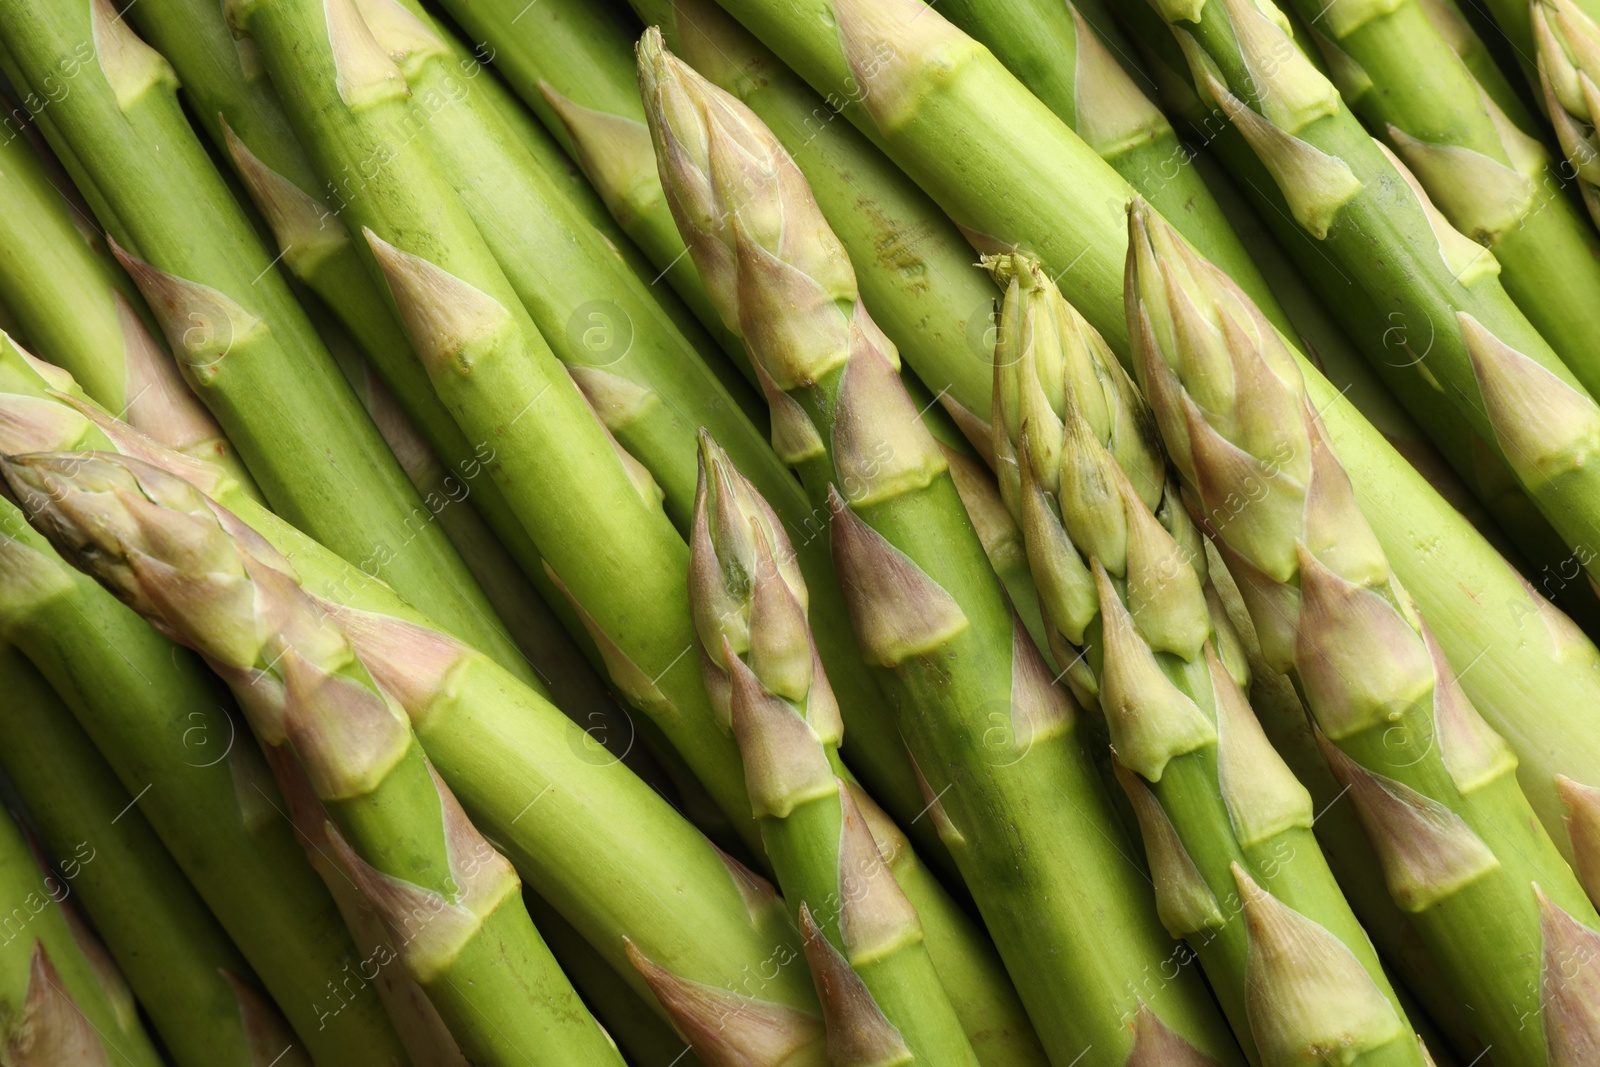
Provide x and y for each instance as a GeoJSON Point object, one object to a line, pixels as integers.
{"type": "Point", "coordinates": [1568, 43]}
{"type": "Point", "coordinates": [749, 602]}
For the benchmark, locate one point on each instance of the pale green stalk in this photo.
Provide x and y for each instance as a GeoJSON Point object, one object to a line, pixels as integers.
{"type": "Point", "coordinates": [82, 315]}
{"type": "Point", "coordinates": [928, 96]}
{"type": "Point", "coordinates": [57, 1006]}
{"type": "Point", "coordinates": [187, 975]}
{"type": "Point", "coordinates": [1433, 785]}
{"type": "Point", "coordinates": [1226, 826]}
{"type": "Point", "coordinates": [242, 341]}
{"type": "Point", "coordinates": [1494, 183]}
{"type": "Point", "coordinates": [1009, 786]}
{"type": "Point", "coordinates": [875, 971]}
{"type": "Point", "coordinates": [452, 904]}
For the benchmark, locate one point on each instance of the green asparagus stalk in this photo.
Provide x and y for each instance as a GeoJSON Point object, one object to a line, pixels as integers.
{"type": "Point", "coordinates": [57, 1006]}
{"type": "Point", "coordinates": [452, 903]}
{"type": "Point", "coordinates": [1493, 182]}
{"type": "Point", "coordinates": [860, 931]}
{"type": "Point", "coordinates": [242, 341]}
{"type": "Point", "coordinates": [1535, 690]}
{"type": "Point", "coordinates": [1226, 825]}
{"type": "Point", "coordinates": [169, 734]}
{"type": "Point", "coordinates": [1007, 783]}
{"type": "Point", "coordinates": [186, 973]}
{"type": "Point", "coordinates": [1448, 18]}
{"type": "Point", "coordinates": [1568, 41]}
{"type": "Point", "coordinates": [1431, 782]}
{"type": "Point", "coordinates": [82, 315]}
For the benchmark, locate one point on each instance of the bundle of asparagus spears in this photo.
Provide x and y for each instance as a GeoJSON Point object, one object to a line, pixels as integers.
{"type": "Point", "coordinates": [784, 533]}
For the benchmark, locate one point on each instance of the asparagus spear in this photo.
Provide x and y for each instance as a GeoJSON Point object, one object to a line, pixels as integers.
{"type": "Point", "coordinates": [861, 933]}
{"type": "Point", "coordinates": [1493, 182]}
{"type": "Point", "coordinates": [83, 315]}
{"type": "Point", "coordinates": [1534, 690]}
{"type": "Point", "coordinates": [1568, 41]}
{"type": "Point", "coordinates": [57, 1009]}
{"type": "Point", "coordinates": [186, 973]}
{"type": "Point", "coordinates": [1007, 783]}
{"type": "Point", "coordinates": [452, 903]}
{"type": "Point", "coordinates": [1432, 783]}
{"type": "Point", "coordinates": [170, 736]}
{"type": "Point", "coordinates": [242, 341]}
{"type": "Point", "coordinates": [1226, 826]}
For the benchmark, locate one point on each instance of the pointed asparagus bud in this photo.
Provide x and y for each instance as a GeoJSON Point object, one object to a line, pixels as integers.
{"type": "Point", "coordinates": [980, 495]}
{"type": "Point", "coordinates": [202, 324]}
{"type": "Point", "coordinates": [644, 483]}
{"type": "Point", "coordinates": [1184, 903]}
{"type": "Point", "coordinates": [897, 50]}
{"type": "Point", "coordinates": [1067, 592]}
{"type": "Point", "coordinates": [1359, 659]}
{"type": "Point", "coordinates": [724, 1028]}
{"type": "Point", "coordinates": [160, 402]}
{"type": "Point", "coordinates": [306, 231]}
{"type": "Point", "coordinates": [875, 918]}
{"type": "Point", "coordinates": [36, 424]}
{"type": "Point", "coordinates": [1292, 92]}
{"type": "Point", "coordinates": [1473, 752]}
{"type": "Point", "coordinates": [1112, 113]}
{"type": "Point", "coordinates": [130, 66]}
{"type": "Point", "coordinates": [1482, 197]}
{"type": "Point", "coordinates": [1583, 827]}
{"type": "Point", "coordinates": [1425, 850]}
{"type": "Point", "coordinates": [858, 1033]}
{"type": "Point", "coordinates": [1336, 531]}
{"type": "Point", "coordinates": [614, 151]}
{"type": "Point", "coordinates": [1150, 719]}
{"type": "Point", "coordinates": [1543, 425]}
{"type": "Point", "coordinates": [451, 323]}
{"type": "Point", "coordinates": [1263, 796]}
{"type": "Point", "coordinates": [1165, 599]}
{"type": "Point", "coordinates": [49, 1030]}
{"type": "Point", "coordinates": [784, 762]}
{"type": "Point", "coordinates": [347, 735]}
{"type": "Point", "coordinates": [270, 1041]}
{"type": "Point", "coordinates": [1569, 987]}
{"type": "Point", "coordinates": [363, 72]}
{"type": "Point", "coordinates": [1040, 709]}
{"type": "Point", "coordinates": [898, 611]}
{"type": "Point", "coordinates": [1308, 998]}
{"type": "Point", "coordinates": [881, 447]}
{"type": "Point", "coordinates": [933, 803]}
{"type": "Point", "coordinates": [1156, 1045]}
{"type": "Point", "coordinates": [1568, 43]}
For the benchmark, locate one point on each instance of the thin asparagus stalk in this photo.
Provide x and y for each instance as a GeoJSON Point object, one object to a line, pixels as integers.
{"type": "Point", "coordinates": [1431, 782]}
{"type": "Point", "coordinates": [180, 964]}
{"type": "Point", "coordinates": [1008, 785]}
{"type": "Point", "coordinates": [167, 731]}
{"type": "Point", "coordinates": [859, 929]}
{"type": "Point", "coordinates": [1567, 37]}
{"type": "Point", "coordinates": [242, 341]}
{"type": "Point", "coordinates": [1226, 825]}
{"type": "Point", "coordinates": [453, 905]}
{"type": "Point", "coordinates": [57, 1009]}
{"type": "Point", "coordinates": [84, 317]}
{"type": "Point", "coordinates": [1535, 690]}
{"type": "Point", "coordinates": [1448, 18]}
{"type": "Point", "coordinates": [1494, 183]}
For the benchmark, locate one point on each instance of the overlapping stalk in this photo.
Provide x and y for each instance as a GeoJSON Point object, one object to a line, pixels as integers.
{"type": "Point", "coordinates": [1226, 826]}
{"type": "Point", "coordinates": [241, 339]}
{"type": "Point", "coordinates": [452, 904]}
{"type": "Point", "coordinates": [1008, 785]}
{"type": "Point", "coordinates": [185, 972]}
{"type": "Point", "coordinates": [863, 938]}
{"type": "Point", "coordinates": [1493, 182]}
{"type": "Point", "coordinates": [1432, 783]}
{"type": "Point", "coordinates": [903, 71]}
{"type": "Point", "coordinates": [1567, 37]}
{"type": "Point", "coordinates": [80, 313]}
{"type": "Point", "coordinates": [168, 733]}
{"type": "Point", "coordinates": [1500, 375]}
{"type": "Point", "coordinates": [59, 1006]}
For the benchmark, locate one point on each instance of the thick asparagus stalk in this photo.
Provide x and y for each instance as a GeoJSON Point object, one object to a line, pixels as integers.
{"type": "Point", "coordinates": [1493, 182]}
{"type": "Point", "coordinates": [1567, 37]}
{"type": "Point", "coordinates": [453, 905]}
{"type": "Point", "coordinates": [1007, 782]}
{"type": "Point", "coordinates": [1226, 826]}
{"type": "Point", "coordinates": [909, 67]}
{"type": "Point", "coordinates": [186, 973]}
{"type": "Point", "coordinates": [83, 315]}
{"type": "Point", "coordinates": [242, 341]}
{"type": "Point", "coordinates": [859, 929]}
{"type": "Point", "coordinates": [58, 1008]}
{"type": "Point", "coordinates": [1432, 783]}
